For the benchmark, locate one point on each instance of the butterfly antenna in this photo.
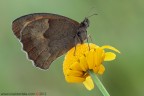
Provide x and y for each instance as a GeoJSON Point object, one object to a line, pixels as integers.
{"type": "Point", "coordinates": [91, 15]}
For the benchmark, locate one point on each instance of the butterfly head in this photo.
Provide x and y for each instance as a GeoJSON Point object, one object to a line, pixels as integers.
{"type": "Point", "coordinates": [85, 23]}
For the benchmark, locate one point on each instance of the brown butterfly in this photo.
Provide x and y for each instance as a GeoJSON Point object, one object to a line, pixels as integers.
{"type": "Point", "coordinates": [47, 36]}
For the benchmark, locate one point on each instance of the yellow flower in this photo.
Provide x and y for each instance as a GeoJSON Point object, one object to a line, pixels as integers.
{"type": "Point", "coordinates": [86, 57]}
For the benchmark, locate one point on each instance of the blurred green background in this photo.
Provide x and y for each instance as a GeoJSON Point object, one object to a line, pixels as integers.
{"type": "Point", "coordinates": [119, 23]}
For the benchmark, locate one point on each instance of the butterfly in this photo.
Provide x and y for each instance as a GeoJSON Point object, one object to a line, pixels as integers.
{"type": "Point", "coordinates": [47, 36]}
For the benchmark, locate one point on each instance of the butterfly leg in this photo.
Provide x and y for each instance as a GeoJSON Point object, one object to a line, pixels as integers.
{"type": "Point", "coordinates": [76, 38]}
{"type": "Point", "coordinates": [74, 51]}
{"type": "Point", "coordinates": [88, 41]}
{"type": "Point", "coordinates": [75, 43]}
{"type": "Point", "coordinates": [89, 36]}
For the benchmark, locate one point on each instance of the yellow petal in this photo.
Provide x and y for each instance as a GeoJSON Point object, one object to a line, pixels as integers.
{"type": "Point", "coordinates": [72, 79]}
{"type": "Point", "coordinates": [92, 46]}
{"type": "Point", "coordinates": [90, 59]}
{"type": "Point", "coordinates": [76, 66]}
{"type": "Point", "coordinates": [88, 83]}
{"type": "Point", "coordinates": [98, 55]}
{"type": "Point", "coordinates": [74, 73]}
{"type": "Point", "coordinates": [96, 69]}
{"type": "Point", "coordinates": [101, 69]}
{"type": "Point", "coordinates": [83, 63]}
{"type": "Point", "coordinates": [109, 56]}
{"type": "Point", "coordinates": [67, 63]}
{"type": "Point", "coordinates": [110, 47]}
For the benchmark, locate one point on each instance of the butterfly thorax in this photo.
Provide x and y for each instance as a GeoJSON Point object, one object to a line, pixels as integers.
{"type": "Point", "coordinates": [82, 30]}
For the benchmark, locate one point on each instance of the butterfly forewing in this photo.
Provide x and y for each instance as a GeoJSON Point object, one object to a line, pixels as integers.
{"type": "Point", "coordinates": [45, 36]}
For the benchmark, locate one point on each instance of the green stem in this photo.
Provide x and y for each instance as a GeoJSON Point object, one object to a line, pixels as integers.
{"type": "Point", "coordinates": [98, 83]}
